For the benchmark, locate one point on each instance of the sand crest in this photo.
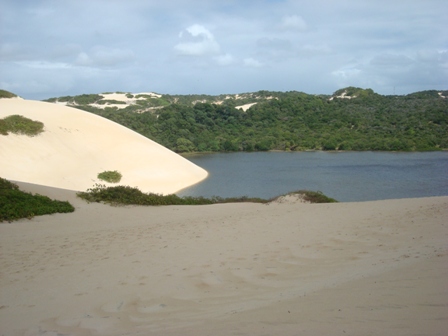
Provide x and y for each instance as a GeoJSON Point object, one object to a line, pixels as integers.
{"type": "Point", "coordinates": [77, 145]}
{"type": "Point", "coordinates": [286, 268]}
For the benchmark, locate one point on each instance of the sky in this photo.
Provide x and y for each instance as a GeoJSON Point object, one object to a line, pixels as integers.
{"type": "Point", "coordinates": [53, 48]}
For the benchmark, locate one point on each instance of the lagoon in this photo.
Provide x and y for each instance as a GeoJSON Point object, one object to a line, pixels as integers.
{"type": "Point", "coordinates": [345, 176]}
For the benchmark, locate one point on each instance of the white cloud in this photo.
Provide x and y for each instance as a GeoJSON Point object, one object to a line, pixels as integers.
{"type": "Point", "coordinates": [110, 56]}
{"type": "Point", "coordinates": [226, 59]}
{"type": "Point", "coordinates": [43, 65]}
{"type": "Point", "coordinates": [294, 22]}
{"type": "Point", "coordinates": [83, 59]}
{"type": "Point", "coordinates": [199, 42]}
{"type": "Point", "coordinates": [104, 57]}
{"type": "Point", "coordinates": [346, 72]}
{"type": "Point", "coordinates": [252, 62]}
{"type": "Point", "coordinates": [198, 30]}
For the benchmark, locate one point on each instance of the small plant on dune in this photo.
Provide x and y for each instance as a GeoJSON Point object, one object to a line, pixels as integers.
{"type": "Point", "coordinates": [16, 204]}
{"type": "Point", "coordinates": [110, 176]}
{"type": "Point", "coordinates": [125, 195]}
{"type": "Point", "coordinates": [7, 94]}
{"type": "Point", "coordinates": [18, 124]}
{"type": "Point", "coordinates": [3, 127]}
{"type": "Point", "coordinates": [314, 196]}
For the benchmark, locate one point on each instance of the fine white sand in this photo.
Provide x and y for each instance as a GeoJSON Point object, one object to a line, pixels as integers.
{"type": "Point", "coordinates": [245, 107]}
{"type": "Point", "coordinates": [122, 97]}
{"type": "Point", "coordinates": [369, 268]}
{"type": "Point", "coordinates": [77, 145]}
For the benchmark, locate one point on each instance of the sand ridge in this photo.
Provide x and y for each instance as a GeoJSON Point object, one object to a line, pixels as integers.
{"type": "Point", "coordinates": [248, 269]}
{"type": "Point", "coordinates": [76, 145]}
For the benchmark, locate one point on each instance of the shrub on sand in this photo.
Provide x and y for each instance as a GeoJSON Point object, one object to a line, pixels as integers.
{"type": "Point", "coordinates": [110, 176]}
{"type": "Point", "coordinates": [20, 125]}
{"type": "Point", "coordinates": [311, 196]}
{"type": "Point", "coordinates": [16, 204]}
{"type": "Point", "coordinates": [125, 195]}
{"type": "Point", "coordinates": [7, 94]}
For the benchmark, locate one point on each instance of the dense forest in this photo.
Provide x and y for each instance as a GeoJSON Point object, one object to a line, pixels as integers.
{"type": "Point", "coordinates": [350, 119]}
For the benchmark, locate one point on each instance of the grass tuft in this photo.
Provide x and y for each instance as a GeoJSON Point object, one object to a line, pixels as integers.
{"type": "Point", "coordinates": [18, 124]}
{"type": "Point", "coordinates": [110, 176]}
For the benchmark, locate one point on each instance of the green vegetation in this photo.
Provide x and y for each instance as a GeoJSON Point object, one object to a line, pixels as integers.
{"type": "Point", "coordinates": [87, 99]}
{"type": "Point", "coordinates": [111, 101]}
{"type": "Point", "coordinates": [290, 121]}
{"type": "Point", "coordinates": [84, 99]}
{"type": "Point", "coordinates": [20, 125]}
{"type": "Point", "coordinates": [354, 92]}
{"type": "Point", "coordinates": [7, 94]}
{"type": "Point", "coordinates": [110, 176]}
{"type": "Point", "coordinates": [125, 195]}
{"type": "Point", "coordinates": [16, 204]}
{"type": "Point", "coordinates": [314, 196]}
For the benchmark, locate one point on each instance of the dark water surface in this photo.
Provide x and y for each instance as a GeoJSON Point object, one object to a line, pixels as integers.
{"type": "Point", "coordinates": [346, 176]}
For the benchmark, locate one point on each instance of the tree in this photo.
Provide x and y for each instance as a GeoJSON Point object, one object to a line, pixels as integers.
{"type": "Point", "coordinates": [184, 145]}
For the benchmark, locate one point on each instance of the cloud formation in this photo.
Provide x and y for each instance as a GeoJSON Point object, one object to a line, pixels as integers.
{"type": "Point", "coordinates": [225, 59]}
{"type": "Point", "coordinates": [251, 62]}
{"type": "Point", "coordinates": [104, 57]}
{"type": "Point", "coordinates": [198, 42]}
{"type": "Point", "coordinates": [293, 22]}
{"type": "Point", "coordinates": [53, 48]}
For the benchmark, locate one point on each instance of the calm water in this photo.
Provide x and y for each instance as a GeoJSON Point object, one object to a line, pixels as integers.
{"type": "Point", "coordinates": [347, 176]}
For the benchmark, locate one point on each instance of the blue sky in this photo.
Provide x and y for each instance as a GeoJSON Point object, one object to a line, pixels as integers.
{"type": "Point", "coordinates": [52, 48]}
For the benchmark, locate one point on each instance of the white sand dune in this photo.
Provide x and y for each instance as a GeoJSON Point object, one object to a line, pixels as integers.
{"type": "Point", "coordinates": [123, 97]}
{"type": "Point", "coordinates": [369, 268]}
{"type": "Point", "coordinates": [245, 107]}
{"type": "Point", "coordinates": [77, 145]}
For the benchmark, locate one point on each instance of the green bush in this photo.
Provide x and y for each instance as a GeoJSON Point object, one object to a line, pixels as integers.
{"type": "Point", "coordinates": [111, 101]}
{"type": "Point", "coordinates": [110, 176]}
{"type": "Point", "coordinates": [87, 99]}
{"type": "Point", "coordinates": [314, 196]}
{"type": "Point", "coordinates": [16, 204]}
{"type": "Point", "coordinates": [125, 195]}
{"type": "Point", "coordinates": [122, 195]}
{"type": "Point", "coordinates": [20, 125]}
{"type": "Point", "coordinates": [6, 94]}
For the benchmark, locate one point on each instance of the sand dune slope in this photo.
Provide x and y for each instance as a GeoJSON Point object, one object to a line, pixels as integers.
{"type": "Point", "coordinates": [370, 268]}
{"type": "Point", "coordinates": [77, 145]}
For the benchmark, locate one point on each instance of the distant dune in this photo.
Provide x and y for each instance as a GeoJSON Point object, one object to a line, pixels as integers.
{"type": "Point", "coordinates": [76, 145]}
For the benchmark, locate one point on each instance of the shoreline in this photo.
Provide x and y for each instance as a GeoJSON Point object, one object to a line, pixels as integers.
{"type": "Point", "coordinates": [251, 269]}
{"type": "Point", "coordinates": [187, 154]}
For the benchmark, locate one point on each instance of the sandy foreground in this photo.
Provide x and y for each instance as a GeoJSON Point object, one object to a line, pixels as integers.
{"type": "Point", "coordinates": [368, 268]}
{"type": "Point", "coordinates": [76, 146]}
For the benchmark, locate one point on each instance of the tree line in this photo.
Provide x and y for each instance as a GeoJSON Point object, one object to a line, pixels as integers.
{"type": "Point", "coordinates": [294, 121]}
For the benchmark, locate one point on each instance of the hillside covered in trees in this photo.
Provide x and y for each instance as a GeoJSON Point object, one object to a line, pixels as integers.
{"type": "Point", "coordinates": [350, 119]}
